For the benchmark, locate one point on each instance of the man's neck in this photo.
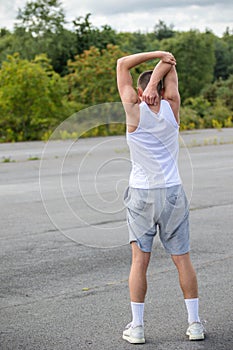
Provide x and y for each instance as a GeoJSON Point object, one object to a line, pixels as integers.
{"type": "Point", "coordinates": [155, 109]}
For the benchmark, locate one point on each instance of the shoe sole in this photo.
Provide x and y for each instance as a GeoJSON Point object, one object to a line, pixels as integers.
{"type": "Point", "coordinates": [134, 340]}
{"type": "Point", "coordinates": [196, 337]}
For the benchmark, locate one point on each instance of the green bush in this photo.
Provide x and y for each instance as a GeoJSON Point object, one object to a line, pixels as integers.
{"type": "Point", "coordinates": [219, 113]}
{"type": "Point", "coordinates": [189, 119]}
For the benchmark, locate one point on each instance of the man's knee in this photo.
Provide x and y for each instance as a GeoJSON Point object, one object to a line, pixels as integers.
{"type": "Point", "coordinates": [138, 256]}
{"type": "Point", "coordinates": [180, 260]}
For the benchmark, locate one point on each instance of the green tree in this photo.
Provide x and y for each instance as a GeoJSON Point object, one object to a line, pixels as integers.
{"type": "Point", "coordinates": [221, 90]}
{"type": "Point", "coordinates": [41, 29]}
{"type": "Point", "coordinates": [88, 35]}
{"type": "Point", "coordinates": [6, 42]}
{"type": "Point", "coordinates": [223, 59]}
{"type": "Point", "coordinates": [84, 33]}
{"type": "Point", "coordinates": [195, 56]}
{"type": "Point", "coordinates": [137, 42]}
{"type": "Point", "coordinates": [59, 47]}
{"type": "Point", "coordinates": [30, 98]}
{"type": "Point", "coordinates": [41, 17]}
{"type": "Point", "coordinates": [162, 31]}
{"type": "Point", "coordinates": [228, 39]}
{"type": "Point", "coordinates": [92, 77]}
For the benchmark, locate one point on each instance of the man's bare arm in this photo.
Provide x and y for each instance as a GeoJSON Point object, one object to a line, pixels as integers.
{"type": "Point", "coordinates": [171, 92]}
{"type": "Point", "coordinates": [150, 94]}
{"type": "Point", "coordinates": [124, 79]}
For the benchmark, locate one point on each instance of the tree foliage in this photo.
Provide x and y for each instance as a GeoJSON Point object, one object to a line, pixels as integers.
{"type": "Point", "coordinates": [48, 71]}
{"type": "Point", "coordinates": [87, 35]}
{"type": "Point", "coordinates": [41, 17]}
{"type": "Point", "coordinates": [92, 77]}
{"type": "Point", "coordinates": [195, 57]}
{"type": "Point", "coordinates": [162, 31]}
{"type": "Point", "coordinates": [223, 60]}
{"type": "Point", "coordinates": [30, 98]}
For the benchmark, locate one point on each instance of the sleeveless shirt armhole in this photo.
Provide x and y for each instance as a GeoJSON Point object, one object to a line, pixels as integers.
{"type": "Point", "coordinates": [139, 123]}
{"type": "Point", "coordinates": [173, 119]}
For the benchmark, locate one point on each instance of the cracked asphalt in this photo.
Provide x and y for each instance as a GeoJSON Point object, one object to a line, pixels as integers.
{"type": "Point", "coordinates": [64, 253]}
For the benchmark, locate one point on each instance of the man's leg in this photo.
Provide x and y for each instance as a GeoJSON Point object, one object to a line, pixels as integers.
{"type": "Point", "coordinates": [138, 283]}
{"type": "Point", "coordinates": [189, 287]}
{"type": "Point", "coordinates": [187, 275]}
{"type": "Point", "coordinates": [188, 284]}
{"type": "Point", "coordinates": [134, 332]}
{"type": "Point", "coordinates": [137, 277]}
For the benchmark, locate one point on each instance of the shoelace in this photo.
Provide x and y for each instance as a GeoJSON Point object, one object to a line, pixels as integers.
{"type": "Point", "coordinates": [128, 325]}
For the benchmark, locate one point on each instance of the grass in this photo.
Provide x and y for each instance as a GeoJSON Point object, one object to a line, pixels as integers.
{"type": "Point", "coordinates": [33, 158]}
{"type": "Point", "coordinates": [206, 142]}
{"type": "Point", "coordinates": [7, 160]}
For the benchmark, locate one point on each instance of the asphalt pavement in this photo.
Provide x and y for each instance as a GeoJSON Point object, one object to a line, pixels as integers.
{"type": "Point", "coordinates": [64, 250]}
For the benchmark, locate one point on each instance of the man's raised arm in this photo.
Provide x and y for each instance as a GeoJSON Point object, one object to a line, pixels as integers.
{"type": "Point", "coordinates": [150, 94]}
{"type": "Point", "coordinates": [171, 92]}
{"type": "Point", "coordinates": [124, 79]}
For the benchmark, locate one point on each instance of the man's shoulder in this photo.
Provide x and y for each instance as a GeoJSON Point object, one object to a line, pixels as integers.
{"type": "Point", "coordinates": [166, 105]}
{"type": "Point", "coordinates": [165, 102]}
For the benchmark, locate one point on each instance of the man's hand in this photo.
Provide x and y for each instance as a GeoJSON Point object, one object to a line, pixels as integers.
{"type": "Point", "coordinates": [150, 94]}
{"type": "Point", "coordinates": [168, 57]}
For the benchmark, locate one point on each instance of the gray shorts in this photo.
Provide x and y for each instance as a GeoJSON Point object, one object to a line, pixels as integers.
{"type": "Point", "coordinates": [162, 209]}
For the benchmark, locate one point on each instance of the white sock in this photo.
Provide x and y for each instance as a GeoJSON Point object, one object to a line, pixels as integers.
{"type": "Point", "coordinates": [137, 314]}
{"type": "Point", "coordinates": [192, 306]}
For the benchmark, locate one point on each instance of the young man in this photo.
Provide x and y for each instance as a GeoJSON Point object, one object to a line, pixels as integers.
{"type": "Point", "coordinates": [155, 198]}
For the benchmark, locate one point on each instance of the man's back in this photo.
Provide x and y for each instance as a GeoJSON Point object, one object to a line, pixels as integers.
{"type": "Point", "coordinates": [154, 149]}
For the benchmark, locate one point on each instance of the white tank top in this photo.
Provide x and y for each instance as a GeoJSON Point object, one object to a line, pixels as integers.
{"type": "Point", "coordinates": [154, 149]}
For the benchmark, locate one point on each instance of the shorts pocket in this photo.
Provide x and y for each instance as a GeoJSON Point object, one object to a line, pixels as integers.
{"type": "Point", "coordinates": [138, 199]}
{"type": "Point", "coordinates": [174, 195]}
{"type": "Point", "coordinates": [138, 204]}
{"type": "Point", "coordinates": [134, 199]}
{"type": "Point", "coordinates": [176, 210]}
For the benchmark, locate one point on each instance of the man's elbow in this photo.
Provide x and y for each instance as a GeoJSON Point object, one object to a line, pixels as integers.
{"type": "Point", "coordinates": [120, 62]}
{"type": "Point", "coordinates": [172, 96]}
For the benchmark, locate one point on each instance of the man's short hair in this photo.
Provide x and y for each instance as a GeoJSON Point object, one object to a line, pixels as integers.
{"type": "Point", "coordinates": [144, 79]}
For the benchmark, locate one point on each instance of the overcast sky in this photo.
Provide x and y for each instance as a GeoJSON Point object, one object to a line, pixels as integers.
{"type": "Point", "coordinates": [134, 15]}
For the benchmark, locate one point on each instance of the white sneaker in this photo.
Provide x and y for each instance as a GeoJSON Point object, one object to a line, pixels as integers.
{"type": "Point", "coordinates": [196, 331]}
{"type": "Point", "coordinates": [134, 335]}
